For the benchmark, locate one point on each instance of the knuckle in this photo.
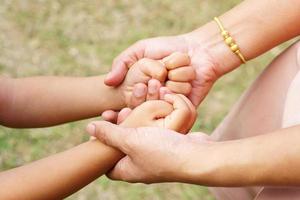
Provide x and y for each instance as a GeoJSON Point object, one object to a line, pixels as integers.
{"type": "Point", "coordinates": [171, 75]}
{"type": "Point", "coordinates": [188, 88]}
{"type": "Point", "coordinates": [162, 74]}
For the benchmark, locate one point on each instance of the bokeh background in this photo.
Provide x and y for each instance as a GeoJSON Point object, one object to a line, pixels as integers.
{"type": "Point", "coordinates": [81, 38]}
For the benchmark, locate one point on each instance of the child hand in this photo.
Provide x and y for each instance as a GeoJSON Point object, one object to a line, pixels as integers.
{"type": "Point", "coordinates": [135, 83]}
{"type": "Point", "coordinates": [176, 113]}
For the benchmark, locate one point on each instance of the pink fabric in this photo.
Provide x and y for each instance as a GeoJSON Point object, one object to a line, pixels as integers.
{"type": "Point", "coordinates": [282, 77]}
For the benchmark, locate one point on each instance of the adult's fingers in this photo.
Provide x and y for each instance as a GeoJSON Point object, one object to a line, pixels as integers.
{"type": "Point", "coordinates": [182, 74]}
{"type": "Point", "coordinates": [110, 116]}
{"type": "Point", "coordinates": [179, 87]}
{"type": "Point", "coordinates": [139, 94]}
{"type": "Point", "coordinates": [123, 62]}
{"type": "Point", "coordinates": [110, 134]}
{"type": "Point", "coordinates": [154, 69]}
{"type": "Point", "coordinates": [176, 60]}
{"type": "Point", "coordinates": [153, 89]}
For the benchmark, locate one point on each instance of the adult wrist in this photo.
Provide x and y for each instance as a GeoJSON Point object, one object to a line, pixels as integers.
{"type": "Point", "coordinates": [209, 38]}
{"type": "Point", "coordinates": [201, 164]}
{"type": "Point", "coordinates": [222, 164]}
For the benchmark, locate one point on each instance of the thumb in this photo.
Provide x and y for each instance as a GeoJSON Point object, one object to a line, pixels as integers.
{"type": "Point", "coordinates": [122, 63]}
{"type": "Point", "coordinates": [110, 134]}
{"type": "Point", "coordinates": [117, 74]}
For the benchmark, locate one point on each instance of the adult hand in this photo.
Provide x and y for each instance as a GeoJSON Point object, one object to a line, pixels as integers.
{"type": "Point", "coordinates": [153, 154]}
{"type": "Point", "coordinates": [157, 48]}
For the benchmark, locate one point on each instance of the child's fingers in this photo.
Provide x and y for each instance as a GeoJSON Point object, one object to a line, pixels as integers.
{"type": "Point", "coordinates": [179, 119]}
{"type": "Point", "coordinates": [179, 87]}
{"type": "Point", "coordinates": [148, 113]}
{"type": "Point", "coordinates": [154, 69]}
{"type": "Point", "coordinates": [176, 60]}
{"type": "Point", "coordinates": [123, 114]}
{"type": "Point", "coordinates": [163, 91]}
{"type": "Point", "coordinates": [153, 89]}
{"type": "Point", "coordinates": [182, 74]}
{"type": "Point", "coordinates": [193, 114]}
{"type": "Point", "coordinates": [110, 116]}
{"type": "Point", "coordinates": [139, 94]}
{"type": "Point", "coordinates": [156, 109]}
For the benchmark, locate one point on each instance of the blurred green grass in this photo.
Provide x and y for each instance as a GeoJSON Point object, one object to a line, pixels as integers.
{"type": "Point", "coordinates": [81, 38]}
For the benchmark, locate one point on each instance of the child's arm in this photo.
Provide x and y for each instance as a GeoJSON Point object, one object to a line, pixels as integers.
{"type": "Point", "coordinates": [46, 101]}
{"type": "Point", "coordinates": [62, 174]}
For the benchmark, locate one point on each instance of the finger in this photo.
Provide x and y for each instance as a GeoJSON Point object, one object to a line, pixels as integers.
{"type": "Point", "coordinates": [156, 109]}
{"type": "Point", "coordinates": [123, 114]}
{"type": "Point", "coordinates": [193, 112]}
{"type": "Point", "coordinates": [154, 69]}
{"type": "Point", "coordinates": [123, 62]}
{"type": "Point", "coordinates": [139, 94]}
{"type": "Point", "coordinates": [180, 119]}
{"type": "Point", "coordinates": [117, 75]}
{"type": "Point", "coordinates": [176, 60]}
{"type": "Point", "coordinates": [179, 87]}
{"type": "Point", "coordinates": [182, 74]}
{"type": "Point", "coordinates": [148, 114]}
{"type": "Point", "coordinates": [110, 134]}
{"type": "Point", "coordinates": [153, 89]}
{"type": "Point", "coordinates": [110, 116]}
{"type": "Point", "coordinates": [163, 91]}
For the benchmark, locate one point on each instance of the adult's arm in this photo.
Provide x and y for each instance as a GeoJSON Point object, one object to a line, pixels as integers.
{"type": "Point", "coordinates": [158, 155]}
{"type": "Point", "coordinates": [257, 26]}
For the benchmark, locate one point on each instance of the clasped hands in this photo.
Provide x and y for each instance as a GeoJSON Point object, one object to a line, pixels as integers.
{"type": "Point", "coordinates": [150, 127]}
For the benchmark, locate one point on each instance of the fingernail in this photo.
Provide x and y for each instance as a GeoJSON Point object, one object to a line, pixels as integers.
{"type": "Point", "coordinates": [139, 92]}
{"type": "Point", "coordinates": [91, 129]}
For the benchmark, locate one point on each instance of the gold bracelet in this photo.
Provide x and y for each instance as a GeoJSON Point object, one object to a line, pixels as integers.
{"type": "Point", "coordinates": [230, 41]}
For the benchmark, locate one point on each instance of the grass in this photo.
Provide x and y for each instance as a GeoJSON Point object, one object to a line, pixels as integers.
{"type": "Point", "coordinates": [80, 38]}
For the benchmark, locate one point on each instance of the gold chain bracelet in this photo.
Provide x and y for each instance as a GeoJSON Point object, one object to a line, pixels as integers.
{"type": "Point", "coordinates": [230, 41]}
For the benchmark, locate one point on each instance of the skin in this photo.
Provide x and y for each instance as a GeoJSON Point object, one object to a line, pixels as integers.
{"type": "Point", "coordinates": [65, 99]}
{"type": "Point", "coordinates": [176, 157]}
{"type": "Point", "coordinates": [182, 74]}
{"type": "Point", "coordinates": [73, 169]}
{"type": "Point", "coordinates": [210, 57]}
{"type": "Point", "coordinates": [257, 27]}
